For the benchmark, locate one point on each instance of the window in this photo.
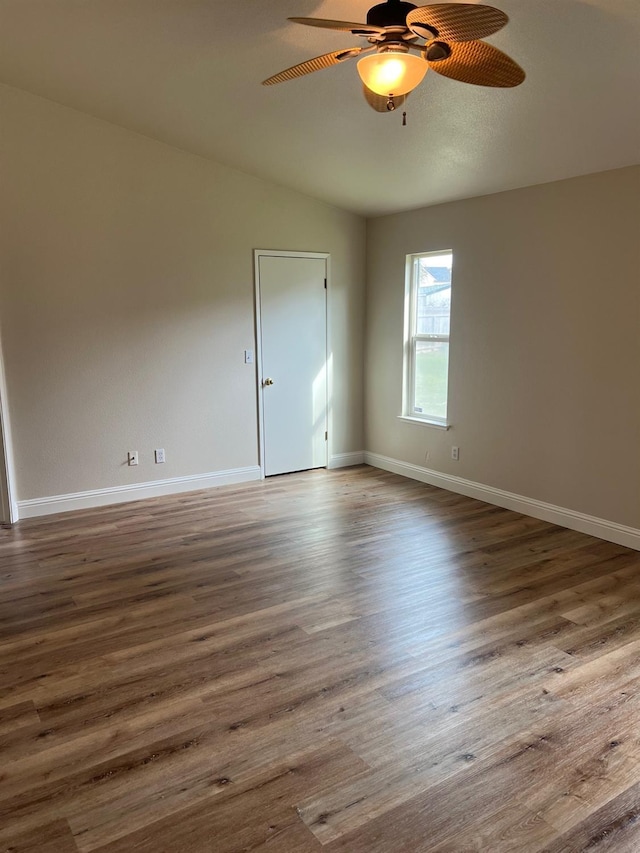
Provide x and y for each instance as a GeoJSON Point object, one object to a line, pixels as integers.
{"type": "Point", "coordinates": [426, 348]}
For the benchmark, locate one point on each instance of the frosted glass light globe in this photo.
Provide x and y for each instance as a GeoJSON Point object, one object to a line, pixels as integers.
{"type": "Point", "coordinates": [392, 72]}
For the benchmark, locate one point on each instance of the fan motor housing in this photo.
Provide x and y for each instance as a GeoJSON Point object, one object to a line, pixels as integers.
{"type": "Point", "coordinates": [393, 13]}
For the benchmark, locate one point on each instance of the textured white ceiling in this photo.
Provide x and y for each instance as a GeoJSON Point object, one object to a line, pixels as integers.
{"type": "Point", "coordinates": [188, 72]}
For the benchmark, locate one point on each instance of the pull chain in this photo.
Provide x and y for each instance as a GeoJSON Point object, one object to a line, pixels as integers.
{"type": "Point", "coordinates": [404, 119]}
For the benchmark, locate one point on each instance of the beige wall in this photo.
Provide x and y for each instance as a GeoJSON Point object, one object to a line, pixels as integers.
{"type": "Point", "coordinates": [545, 352]}
{"type": "Point", "coordinates": [126, 301]}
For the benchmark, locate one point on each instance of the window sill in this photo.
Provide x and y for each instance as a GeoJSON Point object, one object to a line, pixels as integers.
{"type": "Point", "coordinates": [424, 422]}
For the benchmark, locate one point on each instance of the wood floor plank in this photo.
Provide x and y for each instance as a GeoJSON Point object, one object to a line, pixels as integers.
{"type": "Point", "coordinates": [54, 837]}
{"type": "Point", "coordinates": [444, 812]}
{"type": "Point", "coordinates": [248, 814]}
{"type": "Point", "coordinates": [614, 828]}
{"type": "Point", "coordinates": [17, 716]}
{"type": "Point", "coordinates": [512, 828]}
{"type": "Point", "coordinates": [345, 661]}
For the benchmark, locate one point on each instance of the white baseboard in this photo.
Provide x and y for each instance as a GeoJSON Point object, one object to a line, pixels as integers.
{"type": "Point", "coordinates": [599, 527]}
{"type": "Point", "coordinates": [136, 492]}
{"type": "Point", "coordinates": [346, 460]}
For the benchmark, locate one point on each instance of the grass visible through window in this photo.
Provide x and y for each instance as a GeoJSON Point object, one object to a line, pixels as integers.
{"type": "Point", "coordinates": [431, 378]}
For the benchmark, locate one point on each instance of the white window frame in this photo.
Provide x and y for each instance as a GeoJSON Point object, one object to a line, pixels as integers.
{"type": "Point", "coordinates": [411, 338]}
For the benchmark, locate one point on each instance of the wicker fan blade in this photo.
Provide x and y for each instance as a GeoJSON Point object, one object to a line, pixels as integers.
{"type": "Point", "coordinates": [480, 63]}
{"type": "Point", "coordinates": [315, 64]}
{"type": "Point", "coordinates": [379, 102]}
{"type": "Point", "coordinates": [456, 21]}
{"type": "Point", "coordinates": [345, 26]}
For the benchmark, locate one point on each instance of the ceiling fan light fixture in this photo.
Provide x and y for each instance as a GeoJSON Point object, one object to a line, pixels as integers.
{"type": "Point", "coordinates": [392, 72]}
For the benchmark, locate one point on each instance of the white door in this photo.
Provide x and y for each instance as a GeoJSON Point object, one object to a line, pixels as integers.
{"type": "Point", "coordinates": [7, 508]}
{"type": "Point", "coordinates": [293, 359]}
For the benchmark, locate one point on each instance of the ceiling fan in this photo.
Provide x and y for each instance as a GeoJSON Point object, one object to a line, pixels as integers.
{"type": "Point", "coordinates": [445, 35]}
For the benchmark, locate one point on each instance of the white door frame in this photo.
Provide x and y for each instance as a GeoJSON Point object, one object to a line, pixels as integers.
{"type": "Point", "coordinates": [8, 504]}
{"type": "Point", "coordinates": [274, 253]}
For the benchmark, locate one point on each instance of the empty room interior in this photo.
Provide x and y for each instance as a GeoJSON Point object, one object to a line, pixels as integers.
{"type": "Point", "coordinates": [319, 426]}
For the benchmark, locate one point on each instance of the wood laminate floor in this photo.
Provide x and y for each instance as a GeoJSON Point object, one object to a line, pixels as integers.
{"type": "Point", "coordinates": [343, 661]}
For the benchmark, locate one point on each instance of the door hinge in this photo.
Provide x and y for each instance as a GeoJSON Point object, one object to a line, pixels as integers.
{"type": "Point", "coordinates": [326, 435]}
{"type": "Point", "coordinates": [325, 284]}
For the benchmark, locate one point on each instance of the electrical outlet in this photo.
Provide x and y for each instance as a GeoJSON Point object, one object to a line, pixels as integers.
{"type": "Point", "coordinates": [455, 453]}
{"type": "Point", "coordinates": [132, 457]}
{"type": "Point", "coordinates": [248, 356]}
{"type": "Point", "coordinates": [159, 455]}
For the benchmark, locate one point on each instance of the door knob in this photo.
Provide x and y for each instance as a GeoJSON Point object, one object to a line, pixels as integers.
{"type": "Point", "coordinates": [267, 381]}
